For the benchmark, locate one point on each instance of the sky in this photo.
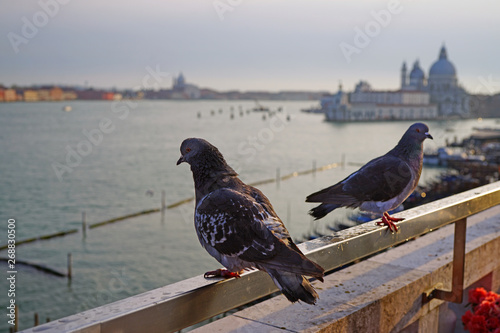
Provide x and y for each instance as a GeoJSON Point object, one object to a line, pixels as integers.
{"type": "Point", "coordinates": [245, 45]}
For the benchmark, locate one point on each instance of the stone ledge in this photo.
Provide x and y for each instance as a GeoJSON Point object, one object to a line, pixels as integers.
{"type": "Point", "coordinates": [383, 293]}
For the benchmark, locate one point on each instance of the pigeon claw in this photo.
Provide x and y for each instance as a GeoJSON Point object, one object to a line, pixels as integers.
{"type": "Point", "coordinates": [221, 272]}
{"type": "Point", "coordinates": [389, 221]}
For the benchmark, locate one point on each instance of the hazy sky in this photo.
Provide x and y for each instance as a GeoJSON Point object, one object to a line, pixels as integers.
{"type": "Point", "coordinates": [245, 44]}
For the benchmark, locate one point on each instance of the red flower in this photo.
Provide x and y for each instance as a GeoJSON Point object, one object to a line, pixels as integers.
{"type": "Point", "coordinates": [477, 295]}
{"type": "Point", "coordinates": [466, 318]}
{"type": "Point", "coordinates": [478, 324]}
{"type": "Point", "coordinates": [483, 309]}
{"type": "Point", "coordinates": [493, 323]}
{"type": "Point", "coordinates": [490, 297]}
{"type": "Point", "coordinates": [485, 317]}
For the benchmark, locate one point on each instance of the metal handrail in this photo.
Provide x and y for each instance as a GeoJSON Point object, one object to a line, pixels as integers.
{"type": "Point", "coordinates": [191, 301]}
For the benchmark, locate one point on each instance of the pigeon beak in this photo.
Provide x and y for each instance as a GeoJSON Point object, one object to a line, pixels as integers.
{"type": "Point", "coordinates": [429, 136]}
{"type": "Point", "coordinates": [181, 160]}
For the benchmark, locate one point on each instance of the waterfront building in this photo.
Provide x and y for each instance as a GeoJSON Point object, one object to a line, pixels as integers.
{"type": "Point", "coordinates": [419, 97]}
{"type": "Point", "coordinates": [10, 95]}
{"type": "Point", "coordinates": [69, 95]}
{"type": "Point", "coordinates": [364, 104]}
{"type": "Point", "coordinates": [451, 98]}
{"type": "Point", "coordinates": [108, 96]}
{"type": "Point", "coordinates": [56, 94]}
{"type": "Point", "coordinates": [44, 94]}
{"type": "Point", "coordinates": [336, 106]}
{"type": "Point", "coordinates": [94, 94]}
{"type": "Point", "coordinates": [183, 90]}
{"type": "Point", "coordinates": [30, 95]}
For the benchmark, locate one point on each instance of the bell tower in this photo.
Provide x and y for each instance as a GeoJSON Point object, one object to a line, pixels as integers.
{"type": "Point", "coordinates": [403, 76]}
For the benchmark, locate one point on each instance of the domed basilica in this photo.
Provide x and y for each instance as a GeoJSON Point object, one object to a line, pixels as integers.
{"type": "Point", "coordinates": [441, 84]}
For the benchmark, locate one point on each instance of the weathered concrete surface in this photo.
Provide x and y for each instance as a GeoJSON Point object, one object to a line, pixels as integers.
{"type": "Point", "coordinates": [384, 293]}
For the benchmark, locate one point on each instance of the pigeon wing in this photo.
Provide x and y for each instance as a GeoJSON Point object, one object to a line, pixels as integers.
{"type": "Point", "coordinates": [235, 224]}
{"type": "Point", "coordinates": [380, 179]}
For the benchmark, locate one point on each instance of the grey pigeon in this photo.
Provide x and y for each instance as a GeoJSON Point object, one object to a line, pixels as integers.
{"type": "Point", "coordinates": [381, 184]}
{"type": "Point", "coordinates": [238, 226]}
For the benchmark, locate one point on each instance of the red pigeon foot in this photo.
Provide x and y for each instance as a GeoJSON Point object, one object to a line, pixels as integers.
{"type": "Point", "coordinates": [221, 273]}
{"type": "Point", "coordinates": [389, 221]}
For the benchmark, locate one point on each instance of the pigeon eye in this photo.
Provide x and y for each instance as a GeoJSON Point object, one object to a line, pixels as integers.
{"type": "Point", "coordinates": [418, 130]}
{"type": "Point", "coordinates": [188, 150]}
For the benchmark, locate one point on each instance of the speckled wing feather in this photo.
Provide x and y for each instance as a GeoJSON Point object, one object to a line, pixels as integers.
{"type": "Point", "coordinates": [236, 225]}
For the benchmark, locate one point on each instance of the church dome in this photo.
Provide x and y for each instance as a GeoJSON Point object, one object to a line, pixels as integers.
{"type": "Point", "coordinates": [443, 66]}
{"type": "Point", "coordinates": [416, 73]}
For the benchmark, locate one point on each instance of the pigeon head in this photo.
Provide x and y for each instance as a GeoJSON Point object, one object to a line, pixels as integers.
{"type": "Point", "coordinates": [417, 132]}
{"type": "Point", "coordinates": [410, 145]}
{"type": "Point", "coordinates": [190, 148]}
{"type": "Point", "coordinates": [202, 155]}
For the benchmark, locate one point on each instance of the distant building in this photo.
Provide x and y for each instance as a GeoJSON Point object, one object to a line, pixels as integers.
{"type": "Point", "coordinates": [68, 95]}
{"type": "Point", "coordinates": [109, 96]}
{"type": "Point", "coordinates": [211, 94]}
{"type": "Point", "coordinates": [157, 94]}
{"type": "Point", "coordinates": [418, 98]}
{"type": "Point", "coordinates": [336, 107]}
{"type": "Point", "coordinates": [44, 94]}
{"type": "Point", "coordinates": [183, 90]}
{"type": "Point", "coordinates": [364, 103]}
{"type": "Point", "coordinates": [30, 95]}
{"type": "Point", "coordinates": [10, 95]}
{"type": "Point", "coordinates": [442, 85]}
{"type": "Point", "coordinates": [56, 94]}
{"type": "Point", "coordinates": [93, 94]}
{"type": "Point", "coordinates": [445, 90]}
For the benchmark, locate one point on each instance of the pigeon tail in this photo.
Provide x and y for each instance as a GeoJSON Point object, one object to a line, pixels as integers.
{"type": "Point", "coordinates": [322, 210]}
{"type": "Point", "coordinates": [295, 287]}
{"type": "Point", "coordinates": [290, 259]}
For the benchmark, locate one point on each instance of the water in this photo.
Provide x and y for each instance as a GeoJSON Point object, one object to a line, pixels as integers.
{"type": "Point", "coordinates": [52, 172]}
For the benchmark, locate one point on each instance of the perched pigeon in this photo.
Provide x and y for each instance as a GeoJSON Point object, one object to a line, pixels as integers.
{"type": "Point", "coordinates": [380, 185]}
{"type": "Point", "coordinates": [238, 226]}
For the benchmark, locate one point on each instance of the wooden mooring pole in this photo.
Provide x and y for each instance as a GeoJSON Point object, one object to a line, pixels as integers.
{"type": "Point", "coordinates": [84, 224]}
{"type": "Point", "coordinates": [163, 205]}
{"type": "Point", "coordinates": [70, 262]}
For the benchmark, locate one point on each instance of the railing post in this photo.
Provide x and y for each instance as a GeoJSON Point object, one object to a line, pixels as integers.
{"type": "Point", "coordinates": [457, 287]}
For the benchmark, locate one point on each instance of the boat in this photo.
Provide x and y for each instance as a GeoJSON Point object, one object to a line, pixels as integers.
{"type": "Point", "coordinates": [260, 108]}
{"type": "Point", "coordinates": [445, 155]}
{"type": "Point", "coordinates": [313, 110]}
